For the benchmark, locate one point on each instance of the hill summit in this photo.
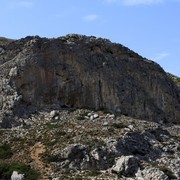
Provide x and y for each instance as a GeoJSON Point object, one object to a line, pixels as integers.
{"type": "Point", "coordinates": [76, 71]}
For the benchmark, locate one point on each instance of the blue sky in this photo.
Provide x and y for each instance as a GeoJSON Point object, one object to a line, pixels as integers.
{"type": "Point", "coordinates": [148, 27]}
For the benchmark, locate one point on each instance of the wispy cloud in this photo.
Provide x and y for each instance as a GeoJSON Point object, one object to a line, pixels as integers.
{"type": "Point", "coordinates": [21, 4]}
{"type": "Point", "coordinates": [135, 2]}
{"type": "Point", "coordinates": [141, 2]}
{"type": "Point", "coordinates": [161, 56]}
{"type": "Point", "coordinates": [90, 17]}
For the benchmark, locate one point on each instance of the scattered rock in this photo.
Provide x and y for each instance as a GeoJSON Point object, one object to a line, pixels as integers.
{"type": "Point", "coordinates": [79, 147]}
{"type": "Point", "coordinates": [131, 127]}
{"type": "Point", "coordinates": [105, 124]}
{"type": "Point", "coordinates": [89, 114]}
{"type": "Point", "coordinates": [98, 159]}
{"type": "Point", "coordinates": [151, 173]}
{"type": "Point", "coordinates": [95, 116]}
{"type": "Point", "coordinates": [13, 72]}
{"type": "Point", "coordinates": [16, 176]}
{"type": "Point", "coordinates": [53, 114]}
{"type": "Point", "coordinates": [126, 166]}
{"type": "Point", "coordinates": [112, 116]}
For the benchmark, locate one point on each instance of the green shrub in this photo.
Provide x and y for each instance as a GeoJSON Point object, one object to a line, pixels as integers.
{"type": "Point", "coordinates": [93, 172]}
{"type": "Point", "coordinates": [5, 151]}
{"type": "Point", "coordinates": [4, 41]}
{"type": "Point", "coordinates": [111, 130]}
{"type": "Point", "coordinates": [51, 143]}
{"type": "Point", "coordinates": [80, 117]}
{"type": "Point", "coordinates": [111, 161]}
{"type": "Point", "coordinates": [60, 133]}
{"type": "Point", "coordinates": [54, 158]}
{"type": "Point", "coordinates": [52, 126]}
{"type": "Point", "coordinates": [6, 171]}
{"type": "Point", "coordinates": [168, 172]}
{"type": "Point", "coordinates": [118, 125]}
{"type": "Point", "coordinates": [1, 132]}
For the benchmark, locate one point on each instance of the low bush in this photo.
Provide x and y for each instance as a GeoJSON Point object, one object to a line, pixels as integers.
{"type": "Point", "coordinates": [54, 158]}
{"type": "Point", "coordinates": [118, 125]}
{"type": "Point", "coordinates": [6, 171]}
{"type": "Point", "coordinates": [168, 172]}
{"type": "Point", "coordinates": [5, 151]}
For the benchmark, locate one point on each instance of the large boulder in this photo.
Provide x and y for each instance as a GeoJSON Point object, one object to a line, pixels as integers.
{"type": "Point", "coordinates": [16, 176]}
{"type": "Point", "coordinates": [75, 156]}
{"type": "Point", "coordinates": [84, 72]}
{"type": "Point", "coordinates": [80, 157]}
{"type": "Point", "coordinates": [136, 144]}
{"type": "Point", "coordinates": [126, 166]}
{"type": "Point", "coordinates": [151, 173]}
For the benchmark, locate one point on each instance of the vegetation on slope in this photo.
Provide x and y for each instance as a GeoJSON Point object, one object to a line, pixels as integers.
{"type": "Point", "coordinates": [4, 41]}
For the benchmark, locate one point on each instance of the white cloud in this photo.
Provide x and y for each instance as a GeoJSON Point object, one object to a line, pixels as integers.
{"type": "Point", "coordinates": [135, 2]}
{"type": "Point", "coordinates": [161, 56]}
{"type": "Point", "coordinates": [90, 17]}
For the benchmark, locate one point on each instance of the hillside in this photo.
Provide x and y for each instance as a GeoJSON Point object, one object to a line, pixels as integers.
{"type": "Point", "coordinates": [175, 79]}
{"type": "Point", "coordinates": [84, 144]}
{"type": "Point", "coordinates": [5, 41]}
{"type": "Point", "coordinates": [79, 107]}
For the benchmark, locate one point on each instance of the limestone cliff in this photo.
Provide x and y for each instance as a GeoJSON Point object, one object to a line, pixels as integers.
{"type": "Point", "coordinates": [83, 72]}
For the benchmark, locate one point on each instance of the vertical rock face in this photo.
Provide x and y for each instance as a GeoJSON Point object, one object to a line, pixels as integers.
{"type": "Point", "coordinates": [86, 72]}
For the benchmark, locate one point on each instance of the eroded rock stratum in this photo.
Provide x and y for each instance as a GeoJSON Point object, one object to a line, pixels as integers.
{"type": "Point", "coordinates": [82, 72]}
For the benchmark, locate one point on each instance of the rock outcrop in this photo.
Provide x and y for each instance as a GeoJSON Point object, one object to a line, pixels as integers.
{"type": "Point", "coordinates": [83, 72]}
{"type": "Point", "coordinates": [17, 176]}
{"type": "Point", "coordinates": [126, 165]}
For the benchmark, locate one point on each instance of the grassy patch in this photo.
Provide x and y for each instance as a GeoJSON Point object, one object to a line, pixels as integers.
{"type": "Point", "coordinates": [51, 143]}
{"type": "Point", "coordinates": [92, 173]}
{"type": "Point", "coordinates": [5, 41]}
{"type": "Point", "coordinates": [52, 125]}
{"type": "Point", "coordinates": [111, 161]}
{"type": "Point", "coordinates": [168, 172]}
{"type": "Point", "coordinates": [54, 158]}
{"type": "Point", "coordinates": [60, 133]}
{"type": "Point", "coordinates": [92, 143]}
{"type": "Point", "coordinates": [5, 151]}
{"type": "Point", "coordinates": [6, 171]}
{"type": "Point", "coordinates": [1, 132]}
{"type": "Point", "coordinates": [118, 125]}
{"type": "Point", "coordinates": [80, 117]}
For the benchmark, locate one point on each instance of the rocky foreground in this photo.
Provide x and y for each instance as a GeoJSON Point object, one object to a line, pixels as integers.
{"type": "Point", "coordinates": [79, 107]}
{"type": "Point", "coordinates": [83, 144]}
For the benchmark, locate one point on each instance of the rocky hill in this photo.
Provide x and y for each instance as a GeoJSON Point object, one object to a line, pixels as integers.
{"type": "Point", "coordinates": [83, 72]}
{"type": "Point", "coordinates": [79, 107]}
{"type": "Point", "coordinates": [175, 79]}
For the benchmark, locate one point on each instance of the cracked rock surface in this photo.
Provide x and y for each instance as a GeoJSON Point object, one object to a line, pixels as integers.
{"type": "Point", "coordinates": [83, 72]}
